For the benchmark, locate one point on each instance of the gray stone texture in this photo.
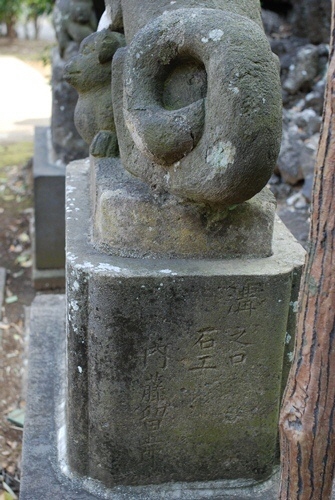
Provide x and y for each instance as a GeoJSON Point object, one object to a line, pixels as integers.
{"type": "Point", "coordinates": [136, 15]}
{"type": "Point", "coordinates": [177, 363]}
{"type": "Point", "coordinates": [49, 204]}
{"type": "Point", "coordinates": [301, 131]}
{"type": "Point", "coordinates": [185, 67]}
{"type": "Point", "coordinates": [185, 147]}
{"type": "Point", "coordinates": [2, 288]}
{"type": "Point", "coordinates": [305, 70]}
{"type": "Point", "coordinates": [90, 73]}
{"type": "Point", "coordinates": [125, 208]}
{"type": "Point", "coordinates": [303, 73]}
{"type": "Point", "coordinates": [48, 279]}
{"type": "Point", "coordinates": [73, 20]}
{"type": "Point", "coordinates": [180, 305]}
{"type": "Point", "coordinates": [44, 476]}
{"type": "Point", "coordinates": [66, 142]}
{"type": "Point", "coordinates": [311, 18]}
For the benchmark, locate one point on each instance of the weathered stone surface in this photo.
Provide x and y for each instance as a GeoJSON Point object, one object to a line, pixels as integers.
{"type": "Point", "coordinates": [43, 474]}
{"type": "Point", "coordinates": [90, 73]}
{"type": "Point", "coordinates": [2, 287]}
{"type": "Point", "coordinates": [73, 20]}
{"type": "Point", "coordinates": [131, 221]}
{"type": "Point", "coordinates": [66, 141]}
{"type": "Point", "coordinates": [172, 361]}
{"type": "Point", "coordinates": [175, 354]}
{"type": "Point", "coordinates": [136, 15]}
{"type": "Point", "coordinates": [191, 151]}
{"type": "Point", "coordinates": [299, 145]}
{"type": "Point", "coordinates": [49, 204]}
{"type": "Point", "coordinates": [183, 70]}
{"type": "Point", "coordinates": [304, 71]}
{"type": "Point", "coordinates": [48, 279]}
{"type": "Point", "coordinates": [315, 98]}
{"type": "Point", "coordinates": [302, 116]}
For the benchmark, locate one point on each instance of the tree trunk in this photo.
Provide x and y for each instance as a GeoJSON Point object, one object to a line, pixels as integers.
{"type": "Point", "coordinates": [11, 32]}
{"type": "Point", "coordinates": [36, 27]}
{"type": "Point", "coordinates": [308, 412]}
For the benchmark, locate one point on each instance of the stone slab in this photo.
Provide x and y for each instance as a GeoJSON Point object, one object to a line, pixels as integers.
{"type": "Point", "coordinates": [49, 202]}
{"type": "Point", "coordinates": [44, 279]}
{"type": "Point", "coordinates": [43, 476]}
{"type": "Point", "coordinates": [48, 279]}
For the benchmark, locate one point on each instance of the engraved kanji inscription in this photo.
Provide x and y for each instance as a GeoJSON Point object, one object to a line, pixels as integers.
{"type": "Point", "coordinates": [153, 390]}
{"type": "Point", "coordinates": [245, 299]}
{"type": "Point", "coordinates": [205, 347]}
{"type": "Point", "coordinates": [238, 358]}
{"type": "Point", "coordinates": [240, 342]}
{"type": "Point", "coordinates": [238, 335]}
{"type": "Point", "coordinates": [157, 352]}
{"type": "Point", "coordinates": [149, 449]}
{"type": "Point", "coordinates": [152, 416]}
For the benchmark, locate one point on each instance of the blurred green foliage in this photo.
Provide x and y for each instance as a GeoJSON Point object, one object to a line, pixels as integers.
{"type": "Point", "coordinates": [11, 10]}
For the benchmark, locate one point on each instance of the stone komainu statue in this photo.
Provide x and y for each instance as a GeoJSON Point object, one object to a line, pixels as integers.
{"type": "Point", "coordinates": [196, 98]}
{"type": "Point", "coordinates": [73, 21]}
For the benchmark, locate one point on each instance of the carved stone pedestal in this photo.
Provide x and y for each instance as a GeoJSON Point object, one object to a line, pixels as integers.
{"type": "Point", "coordinates": [44, 471]}
{"type": "Point", "coordinates": [174, 365]}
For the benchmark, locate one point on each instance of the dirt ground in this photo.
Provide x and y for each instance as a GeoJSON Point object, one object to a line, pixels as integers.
{"type": "Point", "coordinates": [16, 210]}
{"type": "Point", "coordinates": [36, 53]}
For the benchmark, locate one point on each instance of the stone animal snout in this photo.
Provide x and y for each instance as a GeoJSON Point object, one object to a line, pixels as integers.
{"type": "Point", "coordinates": [202, 104]}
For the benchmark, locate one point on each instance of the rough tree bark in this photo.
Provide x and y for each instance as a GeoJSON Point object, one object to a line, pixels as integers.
{"type": "Point", "coordinates": [307, 419]}
{"type": "Point", "coordinates": [11, 31]}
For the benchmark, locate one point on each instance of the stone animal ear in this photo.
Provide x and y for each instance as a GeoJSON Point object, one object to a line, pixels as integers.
{"type": "Point", "coordinates": [115, 12]}
{"type": "Point", "coordinates": [109, 45]}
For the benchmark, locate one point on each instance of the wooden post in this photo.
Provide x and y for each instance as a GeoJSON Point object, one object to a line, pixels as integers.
{"type": "Point", "coordinates": [307, 419]}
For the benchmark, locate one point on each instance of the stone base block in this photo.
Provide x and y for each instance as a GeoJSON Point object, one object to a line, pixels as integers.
{"type": "Point", "coordinates": [49, 202]}
{"type": "Point", "coordinates": [48, 279]}
{"type": "Point", "coordinates": [44, 474]}
{"type": "Point", "coordinates": [130, 220]}
{"type": "Point", "coordinates": [175, 366]}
